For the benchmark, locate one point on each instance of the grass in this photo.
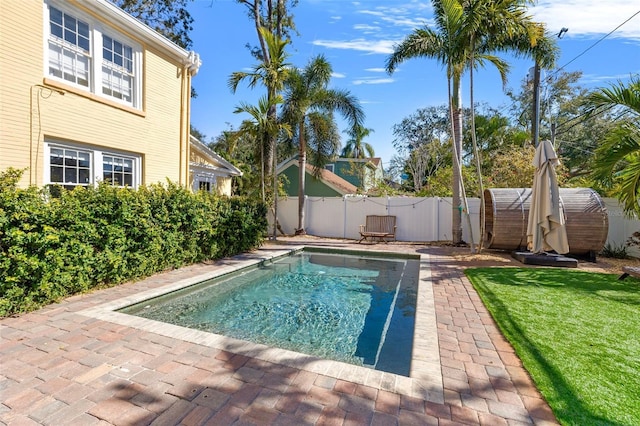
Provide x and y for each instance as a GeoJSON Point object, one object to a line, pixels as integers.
{"type": "Point", "coordinates": [578, 335]}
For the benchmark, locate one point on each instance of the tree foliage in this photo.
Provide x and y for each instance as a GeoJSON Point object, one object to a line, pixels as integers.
{"type": "Point", "coordinates": [309, 105]}
{"type": "Point", "coordinates": [168, 17]}
{"type": "Point", "coordinates": [356, 147]}
{"type": "Point", "coordinates": [564, 119]}
{"type": "Point", "coordinates": [275, 17]}
{"type": "Point", "coordinates": [422, 141]}
{"type": "Point", "coordinates": [617, 159]}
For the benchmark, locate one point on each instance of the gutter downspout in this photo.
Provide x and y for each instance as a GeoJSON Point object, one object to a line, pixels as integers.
{"type": "Point", "coordinates": [189, 69]}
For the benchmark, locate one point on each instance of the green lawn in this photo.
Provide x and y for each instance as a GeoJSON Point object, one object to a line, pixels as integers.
{"type": "Point", "coordinates": [578, 335]}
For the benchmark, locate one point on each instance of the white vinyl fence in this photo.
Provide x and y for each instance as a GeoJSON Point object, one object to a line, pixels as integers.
{"type": "Point", "coordinates": [419, 219]}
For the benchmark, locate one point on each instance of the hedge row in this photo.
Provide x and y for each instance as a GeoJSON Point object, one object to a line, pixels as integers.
{"type": "Point", "coordinates": [52, 247]}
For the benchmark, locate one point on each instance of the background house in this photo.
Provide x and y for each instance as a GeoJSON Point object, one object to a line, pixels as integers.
{"type": "Point", "coordinates": [364, 173]}
{"type": "Point", "coordinates": [209, 171]}
{"type": "Point", "coordinates": [327, 184]}
{"type": "Point", "coordinates": [89, 94]}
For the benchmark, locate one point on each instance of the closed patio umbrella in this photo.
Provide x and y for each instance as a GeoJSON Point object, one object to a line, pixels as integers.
{"type": "Point", "coordinates": [546, 227]}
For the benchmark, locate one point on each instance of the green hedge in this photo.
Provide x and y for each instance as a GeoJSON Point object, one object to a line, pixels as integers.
{"type": "Point", "coordinates": [52, 247]}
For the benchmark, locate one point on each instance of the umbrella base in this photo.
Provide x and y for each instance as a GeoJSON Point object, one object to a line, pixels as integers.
{"type": "Point", "coordinates": [544, 259]}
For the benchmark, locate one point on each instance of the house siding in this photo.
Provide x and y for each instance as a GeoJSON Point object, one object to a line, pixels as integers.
{"type": "Point", "coordinates": [20, 60]}
{"type": "Point", "coordinates": [313, 187]}
{"type": "Point", "coordinates": [347, 171]}
{"type": "Point", "coordinates": [32, 110]}
{"type": "Point", "coordinates": [223, 183]}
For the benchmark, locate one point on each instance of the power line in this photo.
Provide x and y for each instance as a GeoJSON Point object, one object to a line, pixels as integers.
{"type": "Point", "coordinates": [556, 71]}
{"type": "Point", "coordinates": [594, 44]}
{"type": "Point", "coordinates": [586, 113]}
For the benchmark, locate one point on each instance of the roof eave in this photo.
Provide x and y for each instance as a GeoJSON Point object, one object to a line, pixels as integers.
{"type": "Point", "coordinates": [233, 170]}
{"type": "Point", "coordinates": [121, 18]}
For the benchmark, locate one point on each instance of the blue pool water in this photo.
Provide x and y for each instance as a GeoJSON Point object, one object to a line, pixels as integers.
{"type": "Point", "coordinates": [350, 308]}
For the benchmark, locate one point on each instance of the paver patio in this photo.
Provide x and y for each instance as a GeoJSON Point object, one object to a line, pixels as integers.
{"type": "Point", "coordinates": [64, 365]}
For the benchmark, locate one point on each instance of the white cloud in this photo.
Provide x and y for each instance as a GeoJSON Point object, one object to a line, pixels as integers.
{"type": "Point", "coordinates": [338, 75]}
{"type": "Point", "coordinates": [589, 17]}
{"type": "Point", "coordinates": [372, 12]}
{"type": "Point", "coordinates": [373, 81]}
{"type": "Point", "coordinates": [591, 78]}
{"type": "Point", "coordinates": [366, 28]}
{"type": "Point", "coordinates": [370, 46]}
{"type": "Point", "coordinates": [397, 19]}
{"type": "Point", "coordinates": [375, 70]}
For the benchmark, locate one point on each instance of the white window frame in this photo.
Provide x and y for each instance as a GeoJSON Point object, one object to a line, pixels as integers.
{"type": "Point", "coordinates": [204, 177]}
{"type": "Point", "coordinates": [97, 63]}
{"type": "Point", "coordinates": [97, 159]}
{"type": "Point", "coordinates": [330, 167]}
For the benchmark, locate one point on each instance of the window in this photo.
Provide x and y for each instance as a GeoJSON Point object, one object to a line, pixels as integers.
{"type": "Point", "coordinates": [204, 180]}
{"type": "Point", "coordinates": [71, 166]}
{"type": "Point", "coordinates": [69, 48]}
{"type": "Point", "coordinates": [80, 52]}
{"type": "Point", "coordinates": [330, 167]}
{"type": "Point", "coordinates": [117, 69]}
{"type": "Point", "coordinates": [117, 170]}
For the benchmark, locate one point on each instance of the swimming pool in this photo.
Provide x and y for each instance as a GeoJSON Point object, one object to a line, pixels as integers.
{"type": "Point", "coordinates": [357, 308]}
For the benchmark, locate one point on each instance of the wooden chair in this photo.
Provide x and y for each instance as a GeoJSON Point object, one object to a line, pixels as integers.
{"type": "Point", "coordinates": [378, 227]}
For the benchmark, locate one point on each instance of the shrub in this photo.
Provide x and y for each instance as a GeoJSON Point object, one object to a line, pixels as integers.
{"type": "Point", "coordinates": [54, 243]}
{"type": "Point", "coordinates": [615, 251]}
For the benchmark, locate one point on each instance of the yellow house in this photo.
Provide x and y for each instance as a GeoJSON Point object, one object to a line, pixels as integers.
{"type": "Point", "coordinates": [90, 94]}
{"type": "Point", "coordinates": [209, 171]}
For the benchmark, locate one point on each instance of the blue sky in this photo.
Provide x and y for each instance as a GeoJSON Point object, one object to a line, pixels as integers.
{"type": "Point", "coordinates": [357, 37]}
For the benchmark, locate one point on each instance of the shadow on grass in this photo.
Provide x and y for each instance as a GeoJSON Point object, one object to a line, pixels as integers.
{"type": "Point", "coordinates": [561, 395]}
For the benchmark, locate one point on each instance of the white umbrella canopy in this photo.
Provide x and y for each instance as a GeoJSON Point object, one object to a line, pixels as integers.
{"type": "Point", "coordinates": [546, 229]}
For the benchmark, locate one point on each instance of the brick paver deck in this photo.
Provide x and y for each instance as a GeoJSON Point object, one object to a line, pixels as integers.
{"type": "Point", "coordinates": [73, 364]}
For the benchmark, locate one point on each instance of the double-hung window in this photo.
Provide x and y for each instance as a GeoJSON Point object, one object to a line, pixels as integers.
{"type": "Point", "coordinates": [85, 53]}
{"type": "Point", "coordinates": [69, 48]}
{"type": "Point", "coordinates": [70, 165]}
{"type": "Point", "coordinates": [117, 69]}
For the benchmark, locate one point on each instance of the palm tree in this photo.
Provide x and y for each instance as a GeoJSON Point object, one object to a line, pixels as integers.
{"type": "Point", "coordinates": [499, 26]}
{"type": "Point", "coordinates": [467, 33]}
{"type": "Point", "coordinates": [271, 72]}
{"type": "Point", "coordinates": [617, 159]}
{"type": "Point", "coordinates": [355, 147]}
{"type": "Point", "coordinates": [308, 106]}
{"type": "Point", "coordinates": [443, 45]}
{"type": "Point", "coordinates": [261, 128]}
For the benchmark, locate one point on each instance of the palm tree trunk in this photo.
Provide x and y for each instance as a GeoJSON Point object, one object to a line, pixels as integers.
{"type": "Point", "coordinates": [476, 154]}
{"type": "Point", "coordinates": [275, 191]}
{"type": "Point", "coordinates": [262, 170]}
{"type": "Point", "coordinates": [456, 123]}
{"type": "Point", "coordinates": [462, 204]}
{"type": "Point", "coordinates": [302, 165]}
{"type": "Point", "coordinates": [272, 114]}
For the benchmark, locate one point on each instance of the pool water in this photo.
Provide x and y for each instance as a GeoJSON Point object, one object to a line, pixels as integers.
{"type": "Point", "coordinates": [351, 308]}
